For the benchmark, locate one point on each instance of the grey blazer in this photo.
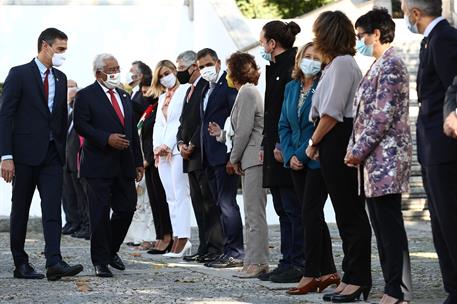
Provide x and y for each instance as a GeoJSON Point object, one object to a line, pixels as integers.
{"type": "Point", "coordinates": [247, 123]}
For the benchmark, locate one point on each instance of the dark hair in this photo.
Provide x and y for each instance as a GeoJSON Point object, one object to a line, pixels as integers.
{"type": "Point", "coordinates": [335, 35]}
{"type": "Point", "coordinates": [243, 68]}
{"type": "Point", "coordinates": [146, 81]}
{"type": "Point", "coordinates": [205, 52]}
{"type": "Point", "coordinates": [282, 32]}
{"type": "Point", "coordinates": [49, 35]}
{"type": "Point", "coordinates": [143, 68]}
{"type": "Point", "coordinates": [378, 19]}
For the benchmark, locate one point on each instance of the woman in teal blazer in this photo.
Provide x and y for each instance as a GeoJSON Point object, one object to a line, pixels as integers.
{"type": "Point", "coordinates": [295, 132]}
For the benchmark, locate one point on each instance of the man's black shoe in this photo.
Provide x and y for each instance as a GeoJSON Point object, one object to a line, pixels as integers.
{"type": "Point", "coordinates": [82, 233]}
{"type": "Point", "coordinates": [26, 271]}
{"type": "Point", "coordinates": [192, 258]}
{"type": "Point", "coordinates": [117, 263]}
{"type": "Point", "coordinates": [69, 229]}
{"type": "Point", "coordinates": [62, 269]}
{"type": "Point", "coordinates": [103, 271]}
{"type": "Point", "coordinates": [267, 275]}
{"type": "Point", "coordinates": [288, 275]}
{"type": "Point", "coordinates": [228, 262]}
{"type": "Point", "coordinates": [208, 258]}
{"type": "Point", "coordinates": [219, 258]}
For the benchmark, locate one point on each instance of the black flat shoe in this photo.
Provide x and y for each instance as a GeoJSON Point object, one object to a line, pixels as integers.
{"type": "Point", "coordinates": [62, 269]}
{"type": "Point", "coordinates": [68, 229]}
{"type": "Point", "coordinates": [226, 262]}
{"type": "Point", "coordinates": [289, 275]}
{"type": "Point", "coordinates": [82, 233]}
{"type": "Point", "coordinates": [168, 249]}
{"type": "Point", "coordinates": [26, 271]}
{"type": "Point", "coordinates": [208, 258]}
{"type": "Point", "coordinates": [361, 291]}
{"type": "Point", "coordinates": [103, 271]}
{"type": "Point", "coordinates": [267, 275]}
{"type": "Point", "coordinates": [117, 263]}
{"type": "Point", "coordinates": [192, 258]}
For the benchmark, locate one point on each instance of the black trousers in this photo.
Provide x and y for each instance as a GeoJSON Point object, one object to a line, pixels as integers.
{"type": "Point", "coordinates": [224, 189]}
{"type": "Point", "coordinates": [387, 222]}
{"type": "Point", "coordinates": [158, 202]}
{"type": "Point", "coordinates": [70, 201]}
{"type": "Point", "coordinates": [47, 177]}
{"type": "Point", "coordinates": [207, 214]}
{"type": "Point", "coordinates": [351, 217]}
{"type": "Point", "coordinates": [440, 183]}
{"type": "Point", "coordinates": [107, 234]}
{"type": "Point", "coordinates": [312, 194]}
{"type": "Point", "coordinates": [81, 198]}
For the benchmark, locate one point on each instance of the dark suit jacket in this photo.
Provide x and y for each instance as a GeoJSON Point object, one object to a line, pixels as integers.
{"type": "Point", "coordinates": [147, 131]}
{"type": "Point", "coordinates": [139, 105]}
{"type": "Point", "coordinates": [437, 69]}
{"type": "Point", "coordinates": [72, 148]}
{"type": "Point", "coordinates": [25, 120]}
{"type": "Point", "coordinates": [219, 106]}
{"type": "Point", "coordinates": [450, 103]}
{"type": "Point", "coordinates": [95, 119]}
{"type": "Point", "coordinates": [189, 130]}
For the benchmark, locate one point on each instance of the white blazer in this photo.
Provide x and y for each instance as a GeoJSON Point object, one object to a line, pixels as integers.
{"type": "Point", "coordinates": [165, 130]}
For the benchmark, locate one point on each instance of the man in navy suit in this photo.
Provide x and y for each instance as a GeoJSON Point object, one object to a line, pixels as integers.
{"type": "Point", "coordinates": [437, 153]}
{"type": "Point", "coordinates": [216, 106]}
{"type": "Point", "coordinates": [33, 124]}
{"type": "Point", "coordinates": [111, 160]}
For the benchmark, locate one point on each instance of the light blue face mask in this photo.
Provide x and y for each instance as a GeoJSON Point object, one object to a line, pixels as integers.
{"type": "Point", "coordinates": [310, 67]}
{"type": "Point", "coordinates": [411, 27]}
{"type": "Point", "coordinates": [264, 54]}
{"type": "Point", "coordinates": [363, 49]}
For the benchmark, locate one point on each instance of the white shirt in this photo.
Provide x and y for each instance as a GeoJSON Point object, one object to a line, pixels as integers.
{"type": "Point", "coordinates": [108, 95]}
{"type": "Point", "coordinates": [210, 90]}
{"type": "Point", "coordinates": [135, 89]}
{"type": "Point", "coordinates": [432, 25]}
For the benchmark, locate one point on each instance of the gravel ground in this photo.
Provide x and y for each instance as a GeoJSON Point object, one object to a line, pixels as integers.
{"type": "Point", "coordinates": [158, 280]}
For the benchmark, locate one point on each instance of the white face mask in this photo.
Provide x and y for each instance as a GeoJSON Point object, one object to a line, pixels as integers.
{"type": "Point", "coordinates": [209, 73]}
{"type": "Point", "coordinates": [58, 59]}
{"type": "Point", "coordinates": [310, 67]}
{"type": "Point", "coordinates": [168, 81]}
{"type": "Point", "coordinates": [112, 80]}
{"type": "Point", "coordinates": [129, 78]}
{"type": "Point", "coordinates": [412, 27]}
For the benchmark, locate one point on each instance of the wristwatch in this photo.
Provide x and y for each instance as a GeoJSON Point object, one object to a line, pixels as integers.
{"type": "Point", "coordinates": [311, 143]}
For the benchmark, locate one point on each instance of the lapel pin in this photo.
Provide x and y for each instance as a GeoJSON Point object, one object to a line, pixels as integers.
{"type": "Point", "coordinates": [124, 95]}
{"type": "Point", "coordinates": [277, 78]}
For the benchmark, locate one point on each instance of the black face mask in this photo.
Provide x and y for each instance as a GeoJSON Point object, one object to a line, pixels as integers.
{"type": "Point", "coordinates": [184, 76]}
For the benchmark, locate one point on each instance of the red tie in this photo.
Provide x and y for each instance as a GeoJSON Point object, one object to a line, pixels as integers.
{"type": "Point", "coordinates": [190, 92]}
{"type": "Point", "coordinates": [116, 106]}
{"type": "Point", "coordinates": [46, 85]}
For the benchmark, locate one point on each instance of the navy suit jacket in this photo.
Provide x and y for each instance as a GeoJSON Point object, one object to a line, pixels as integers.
{"type": "Point", "coordinates": [219, 107]}
{"type": "Point", "coordinates": [95, 120]}
{"type": "Point", "coordinates": [25, 120]}
{"type": "Point", "coordinates": [437, 69]}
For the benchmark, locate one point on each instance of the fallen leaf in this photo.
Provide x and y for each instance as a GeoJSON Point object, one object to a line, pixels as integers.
{"type": "Point", "coordinates": [83, 285]}
{"type": "Point", "coordinates": [136, 254]}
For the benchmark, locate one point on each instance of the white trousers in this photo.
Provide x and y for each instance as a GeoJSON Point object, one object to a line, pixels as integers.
{"type": "Point", "coordinates": [176, 186]}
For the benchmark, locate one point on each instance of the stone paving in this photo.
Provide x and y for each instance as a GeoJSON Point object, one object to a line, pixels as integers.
{"type": "Point", "coordinates": [158, 280]}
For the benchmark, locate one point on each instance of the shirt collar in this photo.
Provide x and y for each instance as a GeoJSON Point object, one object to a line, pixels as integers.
{"type": "Point", "coordinates": [40, 65]}
{"type": "Point", "coordinates": [135, 89]}
{"type": "Point", "coordinates": [105, 89]}
{"type": "Point", "coordinates": [432, 25]}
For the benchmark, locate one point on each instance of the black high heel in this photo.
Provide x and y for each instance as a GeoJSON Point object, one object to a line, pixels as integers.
{"type": "Point", "coordinates": [168, 249]}
{"type": "Point", "coordinates": [361, 291]}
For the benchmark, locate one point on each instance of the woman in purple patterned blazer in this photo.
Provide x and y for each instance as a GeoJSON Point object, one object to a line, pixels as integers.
{"type": "Point", "coordinates": [381, 147]}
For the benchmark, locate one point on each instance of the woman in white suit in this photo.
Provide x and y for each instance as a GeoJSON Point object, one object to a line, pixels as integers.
{"type": "Point", "coordinates": [166, 154]}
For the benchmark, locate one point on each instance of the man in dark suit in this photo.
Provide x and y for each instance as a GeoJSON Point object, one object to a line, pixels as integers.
{"type": "Point", "coordinates": [216, 105]}
{"type": "Point", "coordinates": [437, 153]}
{"type": "Point", "coordinates": [450, 110]}
{"type": "Point", "coordinates": [139, 71]}
{"type": "Point", "coordinates": [33, 124]}
{"type": "Point", "coordinates": [110, 161]}
{"type": "Point", "coordinates": [206, 213]}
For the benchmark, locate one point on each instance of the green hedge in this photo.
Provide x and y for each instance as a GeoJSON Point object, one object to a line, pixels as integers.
{"type": "Point", "coordinates": [266, 9]}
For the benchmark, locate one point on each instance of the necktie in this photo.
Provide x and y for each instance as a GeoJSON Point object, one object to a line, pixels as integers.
{"type": "Point", "coordinates": [116, 107]}
{"type": "Point", "coordinates": [46, 85]}
{"type": "Point", "coordinates": [424, 45]}
{"type": "Point", "coordinates": [191, 90]}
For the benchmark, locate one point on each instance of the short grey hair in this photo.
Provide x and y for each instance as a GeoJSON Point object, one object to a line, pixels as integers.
{"type": "Point", "coordinates": [100, 61]}
{"type": "Point", "coordinates": [187, 58]}
{"type": "Point", "coordinates": [431, 8]}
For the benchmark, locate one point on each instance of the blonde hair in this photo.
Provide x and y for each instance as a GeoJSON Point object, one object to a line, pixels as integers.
{"type": "Point", "coordinates": [297, 73]}
{"type": "Point", "coordinates": [157, 88]}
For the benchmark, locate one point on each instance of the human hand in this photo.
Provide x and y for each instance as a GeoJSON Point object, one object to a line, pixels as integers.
{"type": "Point", "coordinates": [312, 153]}
{"type": "Point", "coordinates": [237, 169]}
{"type": "Point", "coordinates": [278, 155]}
{"type": "Point", "coordinates": [450, 125]}
{"type": "Point", "coordinates": [295, 164]}
{"type": "Point", "coordinates": [351, 161]}
{"type": "Point", "coordinates": [118, 141]}
{"type": "Point", "coordinates": [214, 129]}
{"type": "Point", "coordinates": [261, 156]}
{"type": "Point", "coordinates": [8, 171]}
{"type": "Point", "coordinates": [229, 168]}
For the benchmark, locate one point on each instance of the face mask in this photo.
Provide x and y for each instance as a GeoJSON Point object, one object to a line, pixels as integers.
{"type": "Point", "coordinates": [209, 73]}
{"type": "Point", "coordinates": [129, 78]}
{"type": "Point", "coordinates": [58, 59]}
{"type": "Point", "coordinates": [310, 67]}
{"type": "Point", "coordinates": [112, 80]}
{"type": "Point", "coordinates": [230, 83]}
{"type": "Point", "coordinates": [412, 27]}
{"type": "Point", "coordinates": [363, 49]}
{"type": "Point", "coordinates": [168, 81]}
{"type": "Point", "coordinates": [264, 54]}
{"type": "Point", "coordinates": [183, 76]}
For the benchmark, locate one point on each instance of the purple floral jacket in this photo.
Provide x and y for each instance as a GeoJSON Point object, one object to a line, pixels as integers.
{"type": "Point", "coordinates": [381, 136]}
